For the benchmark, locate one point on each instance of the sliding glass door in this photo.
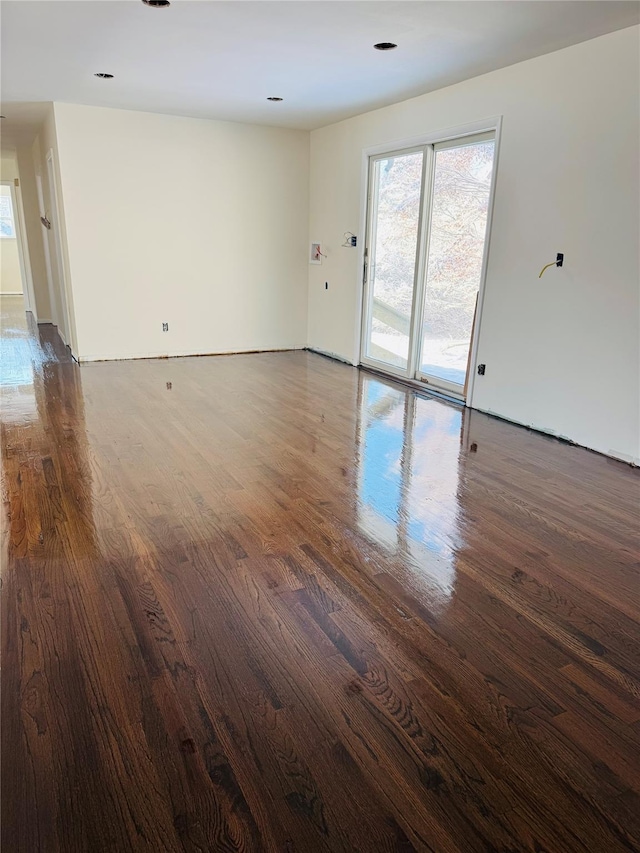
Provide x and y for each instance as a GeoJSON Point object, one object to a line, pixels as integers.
{"type": "Point", "coordinates": [426, 237]}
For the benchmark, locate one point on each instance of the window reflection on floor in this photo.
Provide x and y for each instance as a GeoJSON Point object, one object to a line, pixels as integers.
{"type": "Point", "coordinates": [16, 367]}
{"type": "Point", "coordinates": [15, 361]}
{"type": "Point", "coordinates": [408, 478]}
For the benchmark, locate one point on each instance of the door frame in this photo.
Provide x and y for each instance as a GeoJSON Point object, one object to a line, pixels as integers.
{"type": "Point", "coordinates": [488, 125]}
{"type": "Point", "coordinates": [58, 250]}
{"type": "Point", "coordinates": [47, 253]}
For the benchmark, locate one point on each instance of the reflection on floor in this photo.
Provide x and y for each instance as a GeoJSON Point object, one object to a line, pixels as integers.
{"type": "Point", "coordinates": [409, 478]}
{"type": "Point", "coordinates": [15, 343]}
{"type": "Point", "coordinates": [270, 602]}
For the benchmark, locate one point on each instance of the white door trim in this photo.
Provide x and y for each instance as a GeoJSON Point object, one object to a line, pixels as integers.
{"type": "Point", "coordinates": [47, 253]}
{"type": "Point", "coordinates": [56, 221]}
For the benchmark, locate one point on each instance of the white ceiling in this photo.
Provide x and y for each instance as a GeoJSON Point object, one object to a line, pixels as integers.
{"type": "Point", "coordinates": [222, 59]}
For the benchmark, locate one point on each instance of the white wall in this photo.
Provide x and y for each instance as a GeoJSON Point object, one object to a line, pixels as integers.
{"type": "Point", "coordinates": [562, 352]}
{"type": "Point", "coordinates": [201, 224]}
{"type": "Point", "coordinates": [8, 165]}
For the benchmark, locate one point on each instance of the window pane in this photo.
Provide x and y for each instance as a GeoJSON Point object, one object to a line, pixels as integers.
{"type": "Point", "coordinates": [462, 184]}
{"type": "Point", "coordinates": [7, 228]}
{"type": "Point", "coordinates": [395, 216]}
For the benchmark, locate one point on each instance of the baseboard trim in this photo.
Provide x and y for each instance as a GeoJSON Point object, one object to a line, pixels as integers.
{"type": "Point", "coordinates": [45, 322]}
{"type": "Point", "coordinates": [563, 439]}
{"type": "Point", "coordinates": [11, 293]}
{"type": "Point", "coordinates": [624, 459]}
{"type": "Point", "coordinates": [332, 355]}
{"type": "Point", "coordinates": [85, 359]}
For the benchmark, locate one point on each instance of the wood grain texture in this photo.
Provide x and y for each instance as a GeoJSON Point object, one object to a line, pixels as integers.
{"type": "Point", "coordinates": [274, 603]}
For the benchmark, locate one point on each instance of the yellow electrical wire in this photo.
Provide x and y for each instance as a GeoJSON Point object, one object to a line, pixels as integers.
{"type": "Point", "coordinates": [552, 264]}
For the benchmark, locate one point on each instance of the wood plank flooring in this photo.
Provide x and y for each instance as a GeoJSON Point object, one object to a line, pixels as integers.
{"type": "Point", "coordinates": [272, 603]}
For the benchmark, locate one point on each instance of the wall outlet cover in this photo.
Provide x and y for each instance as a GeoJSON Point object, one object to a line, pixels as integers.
{"type": "Point", "coordinates": [315, 254]}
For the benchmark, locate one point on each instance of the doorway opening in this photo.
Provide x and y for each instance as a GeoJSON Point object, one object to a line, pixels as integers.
{"type": "Point", "coordinates": [427, 232]}
{"type": "Point", "coordinates": [16, 289]}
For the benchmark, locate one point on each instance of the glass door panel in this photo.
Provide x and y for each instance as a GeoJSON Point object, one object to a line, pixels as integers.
{"type": "Point", "coordinates": [394, 222]}
{"type": "Point", "coordinates": [458, 224]}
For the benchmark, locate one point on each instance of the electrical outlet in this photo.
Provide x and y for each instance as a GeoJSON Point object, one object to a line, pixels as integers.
{"type": "Point", "coordinates": [165, 327]}
{"type": "Point", "coordinates": [481, 369]}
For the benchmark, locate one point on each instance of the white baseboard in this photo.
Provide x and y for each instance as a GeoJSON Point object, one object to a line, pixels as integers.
{"type": "Point", "coordinates": [45, 322]}
{"type": "Point", "coordinates": [11, 293]}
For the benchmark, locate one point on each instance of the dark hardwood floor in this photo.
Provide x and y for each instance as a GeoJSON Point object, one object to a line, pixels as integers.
{"type": "Point", "coordinates": [270, 602]}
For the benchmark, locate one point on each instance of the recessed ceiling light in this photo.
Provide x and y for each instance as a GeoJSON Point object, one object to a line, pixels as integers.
{"type": "Point", "coordinates": [273, 98]}
{"type": "Point", "coordinates": [103, 75]}
{"type": "Point", "coordinates": [157, 4]}
{"type": "Point", "coordinates": [385, 45]}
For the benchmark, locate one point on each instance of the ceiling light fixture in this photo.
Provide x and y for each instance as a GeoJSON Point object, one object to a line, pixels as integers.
{"type": "Point", "coordinates": [103, 75]}
{"type": "Point", "coordinates": [157, 4]}
{"type": "Point", "coordinates": [273, 98]}
{"type": "Point", "coordinates": [385, 45]}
